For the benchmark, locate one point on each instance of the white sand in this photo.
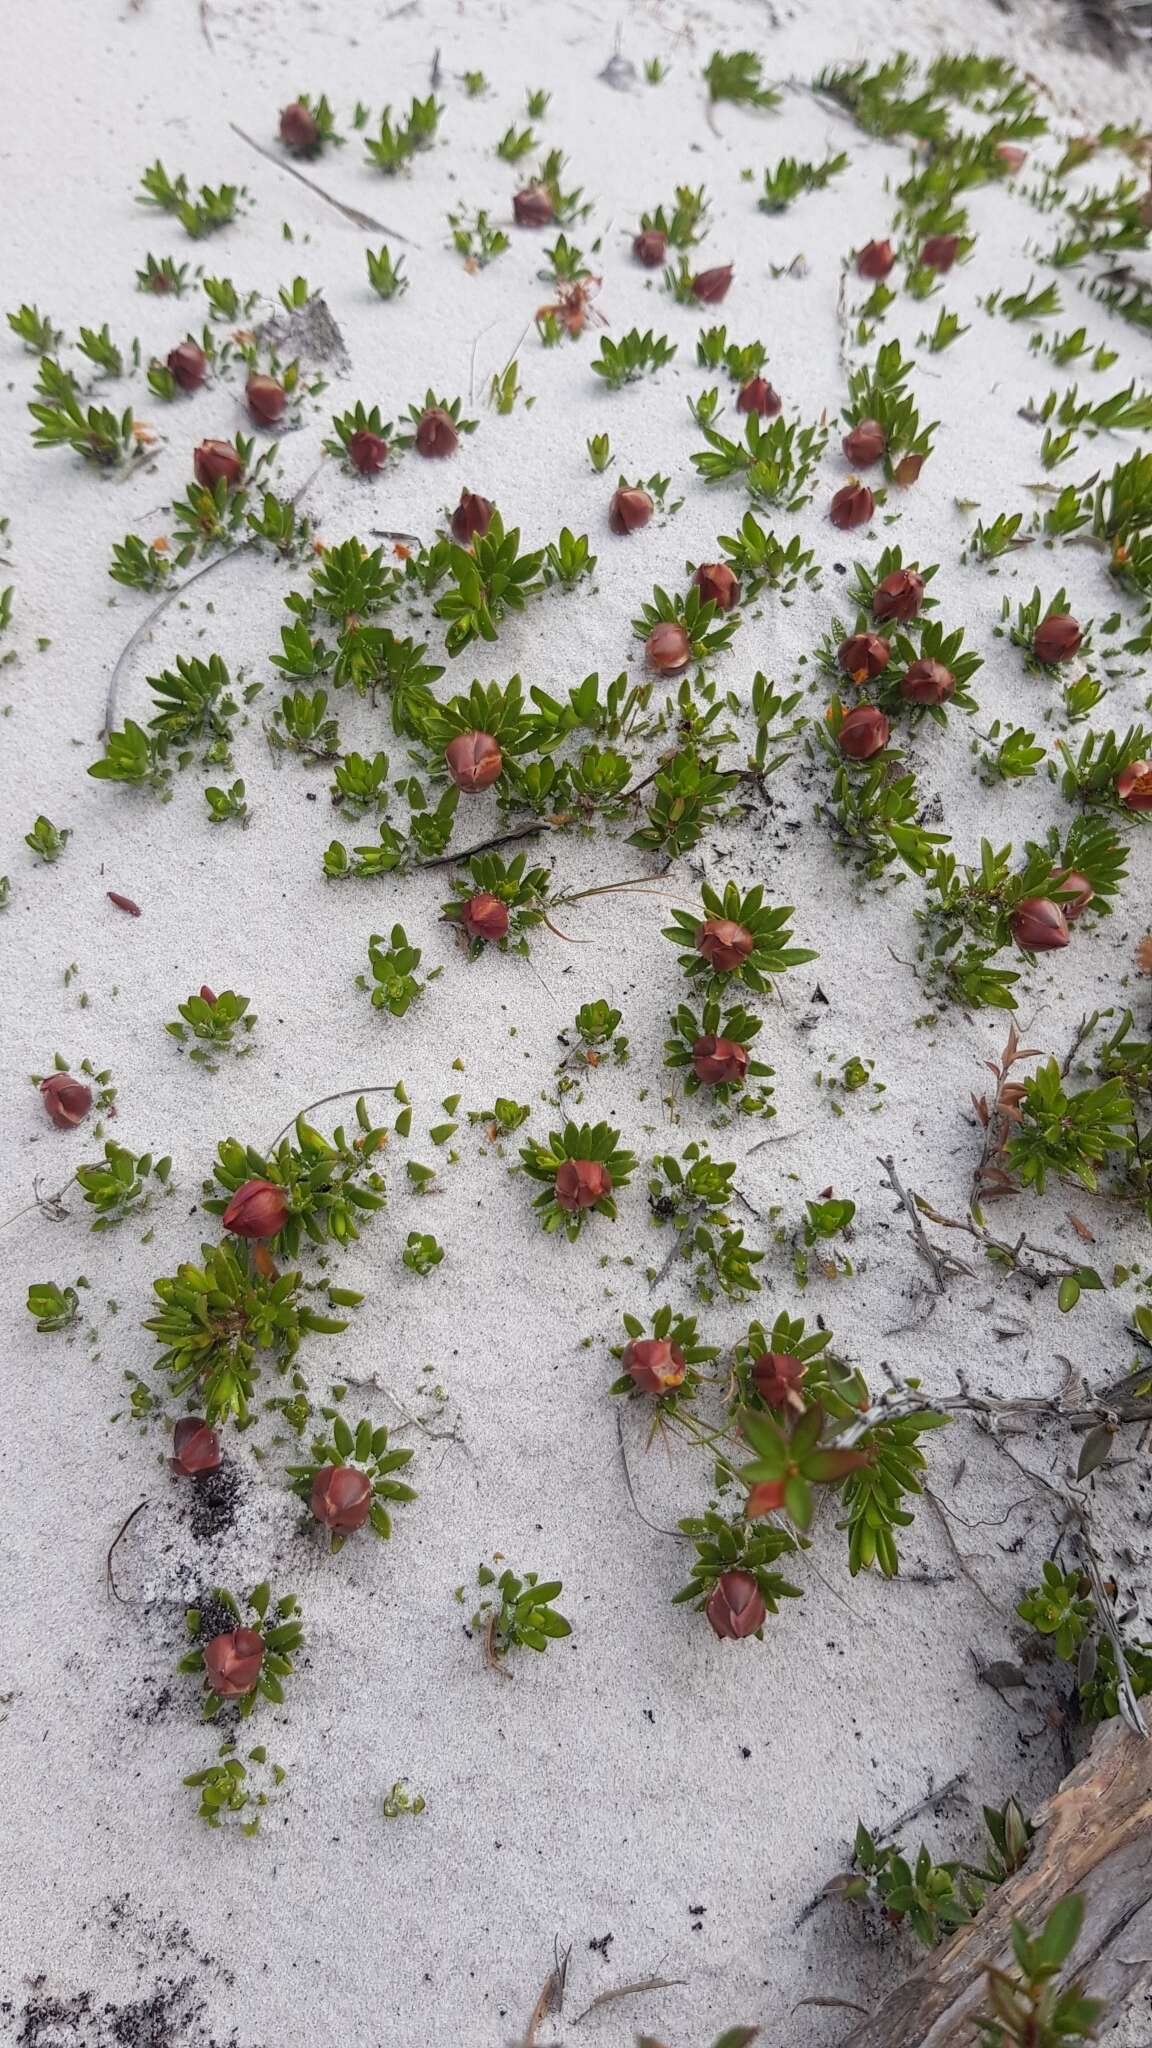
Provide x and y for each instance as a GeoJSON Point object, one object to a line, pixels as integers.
{"type": "Point", "coordinates": [684, 1796]}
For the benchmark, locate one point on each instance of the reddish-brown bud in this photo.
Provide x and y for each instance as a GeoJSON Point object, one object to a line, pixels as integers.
{"type": "Point", "coordinates": [1134, 786]}
{"type": "Point", "coordinates": [124, 903]}
{"type": "Point", "coordinates": [875, 259]}
{"type": "Point", "coordinates": [195, 1447]}
{"type": "Point", "coordinates": [853, 505]}
{"type": "Point", "coordinates": [863, 733]}
{"type": "Point", "coordinates": [668, 648]}
{"type": "Point", "coordinates": [906, 471]}
{"type": "Point", "coordinates": [215, 462]}
{"type": "Point", "coordinates": [341, 1498]}
{"type": "Point", "coordinates": [758, 396]}
{"type": "Point", "coordinates": [765, 1498]}
{"type": "Point", "coordinates": [718, 585]}
{"type": "Point", "coordinates": [724, 944]}
{"type": "Point", "coordinates": [1038, 925]}
{"type": "Point", "coordinates": [188, 364]}
{"type": "Point", "coordinates": [473, 515]}
{"type": "Point", "coordinates": [207, 995]}
{"type": "Point", "coordinates": [927, 682]}
{"type": "Point", "coordinates": [715, 1060]}
{"type": "Point", "coordinates": [1075, 892]}
{"type": "Point", "coordinates": [710, 286]}
{"type": "Point", "coordinates": [898, 596]}
{"type": "Point", "coordinates": [474, 761]}
{"type": "Point", "coordinates": [232, 1662]}
{"type": "Point", "coordinates": [1056, 638]}
{"type": "Point", "coordinates": [864, 656]}
{"type": "Point", "coordinates": [654, 1365]}
{"type": "Point", "coordinates": [650, 247]}
{"type": "Point", "coordinates": [581, 1183]}
{"type": "Point", "coordinates": [66, 1100]}
{"type": "Point", "coordinates": [485, 917]}
{"type": "Point", "coordinates": [533, 207]}
{"type": "Point", "coordinates": [940, 252]}
{"type": "Point", "coordinates": [867, 443]}
{"type": "Point", "coordinates": [298, 129]}
{"type": "Point", "coordinates": [366, 451]}
{"type": "Point", "coordinates": [436, 433]}
{"type": "Point", "coordinates": [1011, 155]}
{"type": "Point", "coordinates": [735, 1606]}
{"type": "Point", "coordinates": [629, 510]}
{"type": "Point", "coordinates": [258, 1209]}
{"type": "Point", "coordinates": [265, 399]}
{"type": "Point", "coordinates": [776, 1376]}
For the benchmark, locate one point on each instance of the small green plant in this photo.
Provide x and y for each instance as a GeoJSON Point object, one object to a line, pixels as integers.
{"type": "Point", "coordinates": [581, 1168]}
{"type": "Point", "coordinates": [634, 355]}
{"type": "Point", "coordinates": [386, 273]}
{"type": "Point", "coordinates": [279, 1628]}
{"type": "Point", "coordinates": [515, 143]}
{"type": "Point", "coordinates": [331, 1185]}
{"type": "Point", "coordinates": [777, 459]}
{"type": "Point", "coordinates": [213, 1021]}
{"type": "Point", "coordinates": [597, 1035]}
{"type": "Point", "coordinates": [138, 564]}
{"type": "Point", "coordinates": [55, 1308]}
{"type": "Point", "coordinates": [394, 986]}
{"type": "Point", "coordinates": [399, 1801]}
{"type": "Point", "coordinates": [34, 329]}
{"type": "Point", "coordinates": [476, 238]}
{"type": "Point", "coordinates": [225, 805]}
{"type": "Point", "coordinates": [1028, 2008]}
{"type": "Point", "coordinates": [711, 1051]}
{"type": "Point", "coordinates": [726, 1545]}
{"type": "Point", "coordinates": [46, 841]}
{"type": "Point", "coordinates": [205, 214]}
{"type": "Point", "coordinates": [1066, 1132]}
{"type": "Point", "coordinates": [516, 1613]}
{"type": "Point", "coordinates": [232, 1792]}
{"type": "Point", "coordinates": [214, 1321]}
{"type": "Point", "coordinates": [1064, 1610]}
{"type": "Point", "coordinates": [422, 1254]}
{"type": "Point", "coordinates": [400, 141]}
{"type": "Point", "coordinates": [737, 76]}
{"type": "Point", "coordinates": [933, 1897]}
{"type": "Point", "coordinates": [364, 1450]}
{"type": "Point", "coordinates": [104, 439]}
{"type": "Point", "coordinates": [163, 277]}
{"type": "Point", "coordinates": [120, 1184]}
{"type": "Point", "coordinates": [785, 182]}
{"type": "Point", "coordinates": [734, 937]}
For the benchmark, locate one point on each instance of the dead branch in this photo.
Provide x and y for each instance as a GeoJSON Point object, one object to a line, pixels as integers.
{"type": "Point", "coordinates": [352, 213]}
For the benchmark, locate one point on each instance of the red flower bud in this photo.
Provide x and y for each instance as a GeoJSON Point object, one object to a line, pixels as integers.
{"type": "Point", "coordinates": [736, 1606]}
{"type": "Point", "coordinates": [1075, 892]}
{"type": "Point", "coordinates": [710, 286]}
{"type": "Point", "coordinates": [927, 682]}
{"type": "Point", "coordinates": [232, 1662]}
{"type": "Point", "coordinates": [724, 944]}
{"type": "Point", "coordinates": [216, 460]}
{"type": "Point", "coordinates": [485, 917]}
{"type": "Point", "coordinates": [366, 451]}
{"type": "Point", "coordinates": [341, 1498]}
{"type": "Point", "coordinates": [66, 1100]}
{"type": "Point", "coordinates": [719, 1059]}
{"type": "Point", "coordinates": [195, 1447]}
{"type": "Point", "coordinates": [298, 129]}
{"type": "Point", "coordinates": [1011, 155]}
{"type": "Point", "coordinates": [940, 252]}
{"type": "Point", "coordinates": [875, 259]}
{"type": "Point", "coordinates": [473, 515]}
{"type": "Point", "coordinates": [765, 1498]}
{"type": "Point", "coordinates": [188, 364]}
{"type": "Point", "coordinates": [775, 1376]}
{"type": "Point", "coordinates": [629, 510]}
{"type": "Point", "coordinates": [1134, 786]}
{"type": "Point", "coordinates": [266, 400]}
{"type": "Point", "coordinates": [668, 648]}
{"type": "Point", "coordinates": [650, 247]}
{"type": "Point", "coordinates": [533, 207]}
{"type": "Point", "coordinates": [1056, 638]}
{"type": "Point", "coordinates": [474, 761]}
{"type": "Point", "coordinates": [581, 1183]}
{"type": "Point", "coordinates": [258, 1209]}
{"type": "Point", "coordinates": [864, 656]}
{"type": "Point", "coordinates": [906, 471]}
{"type": "Point", "coordinates": [853, 505]}
{"type": "Point", "coordinates": [757, 395]}
{"type": "Point", "coordinates": [436, 433]}
{"type": "Point", "coordinates": [718, 585]}
{"type": "Point", "coordinates": [655, 1365]}
{"type": "Point", "coordinates": [867, 443]}
{"type": "Point", "coordinates": [1038, 926]}
{"type": "Point", "coordinates": [207, 995]}
{"type": "Point", "coordinates": [898, 596]}
{"type": "Point", "coordinates": [123, 902]}
{"type": "Point", "coordinates": [863, 733]}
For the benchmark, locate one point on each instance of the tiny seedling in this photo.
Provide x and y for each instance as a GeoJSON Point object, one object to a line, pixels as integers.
{"type": "Point", "coordinates": [516, 1613]}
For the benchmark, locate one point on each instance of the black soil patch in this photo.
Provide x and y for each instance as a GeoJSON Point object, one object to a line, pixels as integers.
{"type": "Point", "coordinates": [170, 2016]}
{"type": "Point", "coordinates": [214, 1498]}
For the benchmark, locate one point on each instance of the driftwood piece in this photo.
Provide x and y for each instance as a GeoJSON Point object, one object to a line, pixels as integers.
{"type": "Point", "coordinates": [1094, 1839]}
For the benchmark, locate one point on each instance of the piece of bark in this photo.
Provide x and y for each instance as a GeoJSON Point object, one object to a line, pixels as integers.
{"type": "Point", "coordinates": [1093, 1839]}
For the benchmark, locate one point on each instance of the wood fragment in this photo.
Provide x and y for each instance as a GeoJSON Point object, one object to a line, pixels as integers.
{"type": "Point", "coordinates": [352, 213]}
{"type": "Point", "coordinates": [121, 1532]}
{"type": "Point", "coordinates": [629, 1991]}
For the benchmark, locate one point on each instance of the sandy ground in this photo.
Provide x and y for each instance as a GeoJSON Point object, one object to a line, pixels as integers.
{"type": "Point", "coordinates": [662, 1803]}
